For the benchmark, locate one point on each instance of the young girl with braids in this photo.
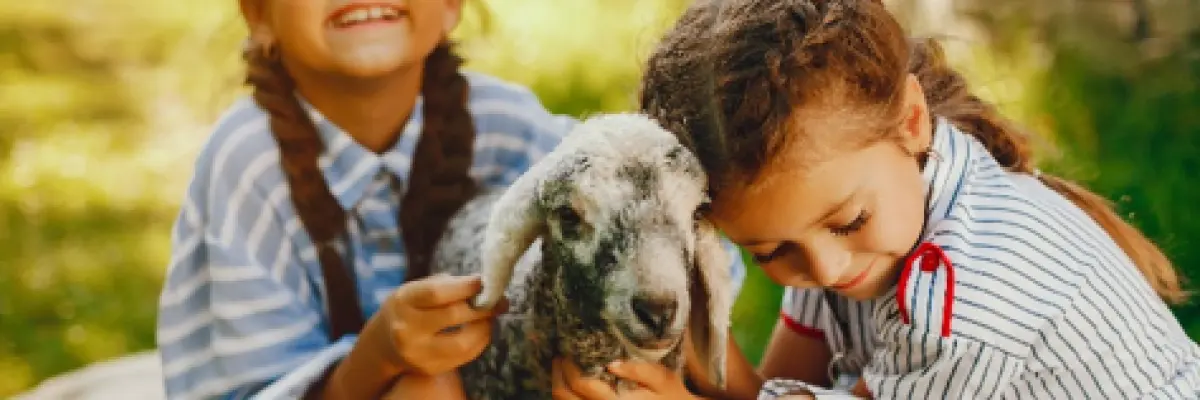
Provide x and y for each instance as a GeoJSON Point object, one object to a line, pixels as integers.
{"type": "Point", "coordinates": [923, 255]}
{"type": "Point", "coordinates": [306, 230]}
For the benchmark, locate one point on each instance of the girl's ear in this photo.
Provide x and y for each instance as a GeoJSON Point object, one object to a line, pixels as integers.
{"type": "Point", "coordinates": [915, 128]}
{"type": "Point", "coordinates": [453, 15]}
{"type": "Point", "coordinates": [254, 14]}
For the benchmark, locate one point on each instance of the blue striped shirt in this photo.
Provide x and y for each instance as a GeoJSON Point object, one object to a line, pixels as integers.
{"type": "Point", "coordinates": [242, 310]}
{"type": "Point", "coordinates": [1044, 304]}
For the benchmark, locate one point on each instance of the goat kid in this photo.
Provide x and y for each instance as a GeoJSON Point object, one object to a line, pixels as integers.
{"type": "Point", "coordinates": [603, 254]}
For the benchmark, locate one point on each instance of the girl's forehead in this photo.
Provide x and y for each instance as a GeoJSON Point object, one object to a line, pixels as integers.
{"type": "Point", "coordinates": [813, 160]}
{"type": "Point", "coordinates": [792, 196]}
{"type": "Point", "coordinates": [788, 202]}
{"type": "Point", "coordinates": [816, 133]}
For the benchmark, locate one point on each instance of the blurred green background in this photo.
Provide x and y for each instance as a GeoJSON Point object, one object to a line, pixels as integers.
{"type": "Point", "coordinates": [104, 104]}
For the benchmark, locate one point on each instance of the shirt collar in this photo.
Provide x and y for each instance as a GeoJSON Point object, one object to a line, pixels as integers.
{"type": "Point", "coordinates": [946, 168]}
{"type": "Point", "coordinates": [349, 168]}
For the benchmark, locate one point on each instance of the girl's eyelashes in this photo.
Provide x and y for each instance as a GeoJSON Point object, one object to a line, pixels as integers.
{"type": "Point", "coordinates": [853, 226]}
{"type": "Point", "coordinates": [843, 230]}
{"type": "Point", "coordinates": [780, 250]}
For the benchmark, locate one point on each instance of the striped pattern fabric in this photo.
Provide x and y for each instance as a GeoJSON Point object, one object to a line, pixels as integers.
{"type": "Point", "coordinates": [1036, 299]}
{"type": "Point", "coordinates": [242, 307]}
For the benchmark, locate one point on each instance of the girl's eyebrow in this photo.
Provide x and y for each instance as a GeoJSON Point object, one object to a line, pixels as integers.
{"type": "Point", "coordinates": [839, 206]}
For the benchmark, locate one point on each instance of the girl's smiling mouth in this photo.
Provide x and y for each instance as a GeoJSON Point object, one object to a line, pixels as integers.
{"type": "Point", "coordinates": [857, 279]}
{"type": "Point", "coordinates": [361, 14]}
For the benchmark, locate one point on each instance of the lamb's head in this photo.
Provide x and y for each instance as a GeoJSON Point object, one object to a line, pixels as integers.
{"type": "Point", "coordinates": [632, 264]}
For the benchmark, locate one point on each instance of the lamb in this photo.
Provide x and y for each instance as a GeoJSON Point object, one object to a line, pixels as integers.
{"type": "Point", "coordinates": [603, 255]}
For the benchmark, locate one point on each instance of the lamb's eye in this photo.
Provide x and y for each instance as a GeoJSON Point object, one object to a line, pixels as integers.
{"type": "Point", "coordinates": [568, 218]}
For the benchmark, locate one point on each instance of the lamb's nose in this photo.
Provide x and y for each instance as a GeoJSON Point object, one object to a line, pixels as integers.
{"type": "Point", "coordinates": [656, 313]}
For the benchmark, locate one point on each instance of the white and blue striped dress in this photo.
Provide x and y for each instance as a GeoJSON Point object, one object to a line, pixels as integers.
{"type": "Point", "coordinates": [242, 311]}
{"type": "Point", "coordinates": [1014, 292]}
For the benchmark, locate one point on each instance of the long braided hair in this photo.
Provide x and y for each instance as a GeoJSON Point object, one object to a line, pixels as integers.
{"type": "Point", "coordinates": [438, 186]}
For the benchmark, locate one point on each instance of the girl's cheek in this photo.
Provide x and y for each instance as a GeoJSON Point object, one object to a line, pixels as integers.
{"type": "Point", "coordinates": [784, 271]}
{"type": "Point", "coordinates": [895, 227]}
{"type": "Point", "coordinates": [777, 273]}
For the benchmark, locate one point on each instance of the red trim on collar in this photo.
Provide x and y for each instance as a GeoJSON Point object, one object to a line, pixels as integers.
{"type": "Point", "coordinates": [931, 256]}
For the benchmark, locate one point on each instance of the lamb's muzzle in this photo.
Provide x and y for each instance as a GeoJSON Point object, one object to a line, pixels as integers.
{"type": "Point", "coordinates": [656, 314]}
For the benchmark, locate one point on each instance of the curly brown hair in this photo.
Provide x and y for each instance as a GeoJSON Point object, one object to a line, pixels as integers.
{"type": "Point", "coordinates": [438, 185]}
{"type": "Point", "coordinates": [730, 75]}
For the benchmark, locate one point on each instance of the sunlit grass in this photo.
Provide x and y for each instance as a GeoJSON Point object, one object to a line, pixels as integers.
{"type": "Point", "coordinates": [78, 286]}
{"type": "Point", "coordinates": [103, 108]}
{"type": "Point", "coordinates": [85, 239]}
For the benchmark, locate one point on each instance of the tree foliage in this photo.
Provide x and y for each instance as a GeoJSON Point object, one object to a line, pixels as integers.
{"type": "Point", "coordinates": [1119, 97]}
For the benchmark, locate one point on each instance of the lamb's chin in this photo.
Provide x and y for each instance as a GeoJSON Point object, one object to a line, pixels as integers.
{"type": "Point", "coordinates": [655, 354]}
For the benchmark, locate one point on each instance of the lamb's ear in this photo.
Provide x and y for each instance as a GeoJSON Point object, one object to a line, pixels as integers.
{"type": "Point", "coordinates": [712, 303]}
{"type": "Point", "coordinates": [515, 222]}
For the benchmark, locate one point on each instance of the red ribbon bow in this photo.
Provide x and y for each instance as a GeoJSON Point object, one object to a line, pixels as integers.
{"type": "Point", "coordinates": [931, 257]}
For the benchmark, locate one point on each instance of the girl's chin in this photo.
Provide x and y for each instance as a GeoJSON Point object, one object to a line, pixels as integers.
{"type": "Point", "coordinates": [861, 294]}
{"type": "Point", "coordinates": [872, 287]}
{"type": "Point", "coordinates": [369, 63]}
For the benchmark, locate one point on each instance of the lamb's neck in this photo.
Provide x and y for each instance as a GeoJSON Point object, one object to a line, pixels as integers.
{"type": "Point", "coordinates": [540, 306]}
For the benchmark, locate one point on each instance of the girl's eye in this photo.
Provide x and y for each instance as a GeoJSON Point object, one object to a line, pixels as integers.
{"type": "Point", "coordinates": [853, 226]}
{"type": "Point", "coordinates": [763, 259]}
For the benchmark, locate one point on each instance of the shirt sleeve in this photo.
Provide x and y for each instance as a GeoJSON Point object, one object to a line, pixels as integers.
{"type": "Point", "coordinates": [514, 130]}
{"type": "Point", "coordinates": [294, 384]}
{"type": "Point", "coordinates": [737, 267]}
{"type": "Point", "coordinates": [806, 312]}
{"type": "Point", "coordinates": [238, 309]}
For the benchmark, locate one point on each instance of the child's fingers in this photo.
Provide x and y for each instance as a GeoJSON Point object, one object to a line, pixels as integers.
{"type": "Point", "coordinates": [558, 384]}
{"type": "Point", "coordinates": [651, 376]}
{"type": "Point", "coordinates": [860, 389]}
{"type": "Point", "coordinates": [450, 318]}
{"type": "Point", "coordinates": [439, 290]}
{"type": "Point", "coordinates": [467, 342]}
{"type": "Point", "coordinates": [582, 387]}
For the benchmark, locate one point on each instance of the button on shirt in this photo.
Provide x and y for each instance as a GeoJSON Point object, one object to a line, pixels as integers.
{"type": "Point", "coordinates": [1023, 296]}
{"type": "Point", "coordinates": [242, 310]}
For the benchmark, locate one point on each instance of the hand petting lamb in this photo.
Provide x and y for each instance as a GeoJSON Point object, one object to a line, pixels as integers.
{"type": "Point", "coordinates": [603, 256]}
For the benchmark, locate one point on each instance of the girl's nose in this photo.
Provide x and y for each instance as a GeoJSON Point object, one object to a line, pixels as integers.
{"type": "Point", "coordinates": [827, 263]}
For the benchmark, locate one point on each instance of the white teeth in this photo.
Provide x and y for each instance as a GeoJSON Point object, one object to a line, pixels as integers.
{"type": "Point", "coordinates": [368, 14]}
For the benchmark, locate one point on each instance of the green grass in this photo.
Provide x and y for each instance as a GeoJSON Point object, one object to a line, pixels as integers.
{"type": "Point", "coordinates": [756, 312]}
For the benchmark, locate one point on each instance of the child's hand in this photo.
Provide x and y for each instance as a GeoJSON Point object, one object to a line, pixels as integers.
{"type": "Point", "coordinates": [428, 326]}
{"type": "Point", "coordinates": [447, 386]}
{"type": "Point", "coordinates": [655, 382]}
